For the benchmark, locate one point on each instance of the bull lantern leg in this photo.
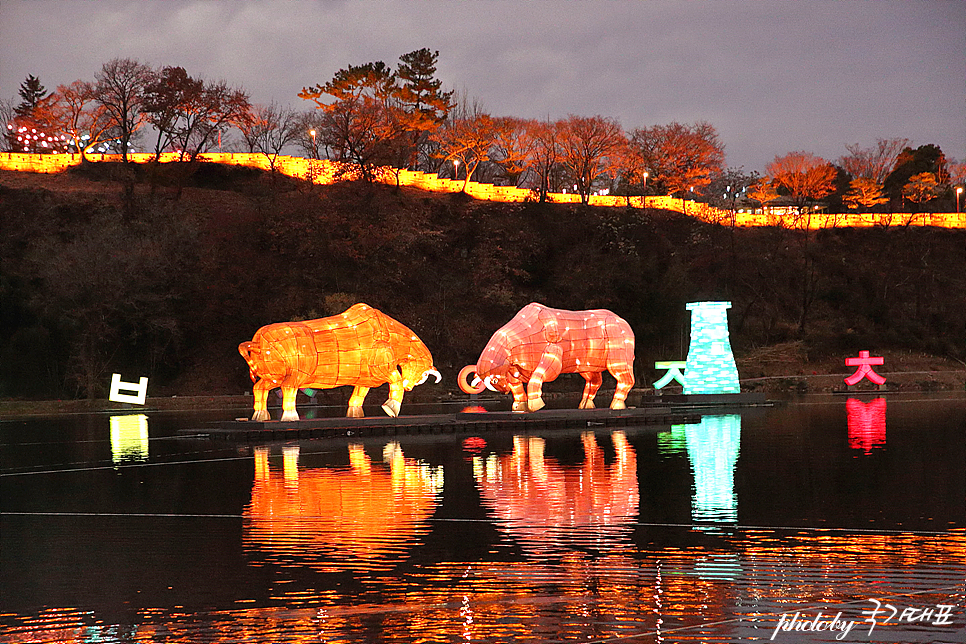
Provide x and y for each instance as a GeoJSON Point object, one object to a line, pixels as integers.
{"type": "Point", "coordinates": [547, 369]}
{"type": "Point", "coordinates": [620, 360]}
{"type": "Point", "coordinates": [594, 380]}
{"type": "Point", "coordinates": [355, 402]}
{"type": "Point", "coordinates": [625, 381]}
{"type": "Point", "coordinates": [261, 389]}
{"type": "Point", "coordinates": [289, 393]}
{"type": "Point", "coordinates": [519, 394]}
{"type": "Point", "coordinates": [394, 403]}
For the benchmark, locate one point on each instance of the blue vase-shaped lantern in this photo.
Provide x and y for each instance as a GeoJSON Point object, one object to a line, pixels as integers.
{"type": "Point", "coordinates": [710, 365]}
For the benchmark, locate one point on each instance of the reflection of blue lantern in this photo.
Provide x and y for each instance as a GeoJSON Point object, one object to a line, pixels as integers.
{"type": "Point", "coordinates": [713, 451]}
{"type": "Point", "coordinates": [710, 366]}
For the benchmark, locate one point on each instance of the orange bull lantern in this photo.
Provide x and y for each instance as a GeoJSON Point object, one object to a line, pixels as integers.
{"type": "Point", "coordinates": [362, 347]}
{"type": "Point", "coordinates": [540, 343]}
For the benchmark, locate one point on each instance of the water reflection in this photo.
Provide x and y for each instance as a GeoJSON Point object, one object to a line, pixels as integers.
{"type": "Point", "coordinates": [665, 595]}
{"type": "Point", "coordinates": [712, 447]}
{"type": "Point", "coordinates": [551, 509]}
{"type": "Point", "coordinates": [867, 423]}
{"type": "Point", "coordinates": [362, 517]}
{"type": "Point", "coordinates": [641, 595]}
{"type": "Point", "coordinates": [129, 437]}
{"type": "Point", "coordinates": [181, 567]}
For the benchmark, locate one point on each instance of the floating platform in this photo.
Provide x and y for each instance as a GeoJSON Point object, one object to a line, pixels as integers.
{"type": "Point", "coordinates": [650, 413]}
{"type": "Point", "coordinates": [751, 399]}
{"type": "Point", "coordinates": [852, 390]}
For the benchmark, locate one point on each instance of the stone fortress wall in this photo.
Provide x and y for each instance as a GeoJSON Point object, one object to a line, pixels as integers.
{"type": "Point", "coordinates": [327, 172]}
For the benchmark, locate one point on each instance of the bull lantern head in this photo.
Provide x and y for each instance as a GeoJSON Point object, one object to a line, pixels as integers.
{"type": "Point", "coordinates": [417, 366]}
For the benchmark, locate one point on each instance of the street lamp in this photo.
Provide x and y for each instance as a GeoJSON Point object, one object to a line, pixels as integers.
{"type": "Point", "coordinates": [456, 169]}
{"type": "Point", "coordinates": [959, 191]}
{"type": "Point", "coordinates": [315, 150]}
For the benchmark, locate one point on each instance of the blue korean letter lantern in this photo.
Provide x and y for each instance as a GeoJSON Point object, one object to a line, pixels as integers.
{"type": "Point", "coordinates": [710, 366]}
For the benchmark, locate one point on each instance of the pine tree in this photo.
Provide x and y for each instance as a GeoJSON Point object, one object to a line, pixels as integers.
{"type": "Point", "coordinates": [31, 93]}
{"type": "Point", "coordinates": [424, 105]}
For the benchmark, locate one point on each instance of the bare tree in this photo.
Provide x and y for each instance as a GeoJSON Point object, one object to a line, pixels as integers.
{"type": "Point", "coordinates": [7, 114]}
{"type": "Point", "coordinates": [216, 108]}
{"type": "Point", "coordinates": [729, 187]}
{"type": "Point", "coordinates": [309, 134]}
{"type": "Point", "coordinates": [87, 122]}
{"type": "Point", "coordinates": [512, 148]}
{"type": "Point", "coordinates": [166, 99]}
{"type": "Point", "coordinates": [546, 153]}
{"type": "Point", "coordinates": [957, 172]}
{"type": "Point", "coordinates": [587, 145]}
{"type": "Point", "coordinates": [803, 175]}
{"type": "Point", "coordinates": [191, 114]}
{"type": "Point", "coordinates": [269, 128]}
{"type": "Point", "coordinates": [680, 157]}
{"type": "Point", "coordinates": [873, 163]}
{"type": "Point", "coordinates": [120, 89]}
{"type": "Point", "coordinates": [466, 140]}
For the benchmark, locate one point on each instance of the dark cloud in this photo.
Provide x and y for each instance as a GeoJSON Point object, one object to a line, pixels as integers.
{"type": "Point", "coordinates": [772, 76]}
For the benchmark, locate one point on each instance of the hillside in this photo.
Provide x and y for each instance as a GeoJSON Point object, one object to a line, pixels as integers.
{"type": "Point", "coordinates": [162, 271]}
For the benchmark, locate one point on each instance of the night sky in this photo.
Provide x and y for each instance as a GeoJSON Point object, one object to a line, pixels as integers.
{"type": "Point", "coordinates": [773, 76]}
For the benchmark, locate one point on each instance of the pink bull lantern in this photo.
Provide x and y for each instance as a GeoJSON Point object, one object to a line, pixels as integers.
{"type": "Point", "coordinates": [540, 343]}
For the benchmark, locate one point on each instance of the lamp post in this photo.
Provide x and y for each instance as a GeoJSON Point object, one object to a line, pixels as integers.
{"type": "Point", "coordinates": [959, 191]}
{"type": "Point", "coordinates": [644, 192]}
{"type": "Point", "coordinates": [456, 169]}
{"type": "Point", "coordinates": [315, 150]}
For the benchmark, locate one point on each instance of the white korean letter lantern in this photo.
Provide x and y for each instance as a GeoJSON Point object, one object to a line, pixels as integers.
{"type": "Point", "coordinates": [139, 389]}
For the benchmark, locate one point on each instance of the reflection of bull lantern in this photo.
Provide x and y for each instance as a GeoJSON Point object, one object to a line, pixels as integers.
{"type": "Point", "coordinates": [710, 366]}
{"type": "Point", "coordinates": [364, 517]}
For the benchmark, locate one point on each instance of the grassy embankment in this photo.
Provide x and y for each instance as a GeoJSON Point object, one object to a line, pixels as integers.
{"type": "Point", "coordinates": [162, 271]}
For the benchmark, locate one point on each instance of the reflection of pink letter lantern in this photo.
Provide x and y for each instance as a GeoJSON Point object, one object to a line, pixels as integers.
{"type": "Point", "coordinates": [864, 362]}
{"type": "Point", "coordinates": [540, 343]}
{"type": "Point", "coordinates": [361, 347]}
{"type": "Point", "coordinates": [867, 423]}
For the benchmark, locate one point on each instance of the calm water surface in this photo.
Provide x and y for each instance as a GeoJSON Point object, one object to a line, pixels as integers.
{"type": "Point", "coordinates": [827, 512]}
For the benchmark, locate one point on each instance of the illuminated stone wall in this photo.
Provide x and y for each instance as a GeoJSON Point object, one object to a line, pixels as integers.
{"type": "Point", "coordinates": [327, 172]}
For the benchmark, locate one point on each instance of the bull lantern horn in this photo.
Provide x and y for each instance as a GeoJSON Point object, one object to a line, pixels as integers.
{"type": "Point", "coordinates": [476, 387]}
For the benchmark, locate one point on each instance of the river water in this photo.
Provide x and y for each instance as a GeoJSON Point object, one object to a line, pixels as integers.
{"type": "Point", "coordinates": [825, 519]}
